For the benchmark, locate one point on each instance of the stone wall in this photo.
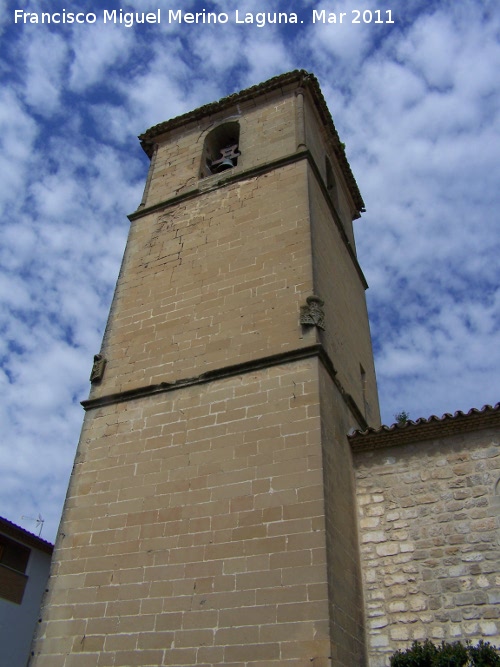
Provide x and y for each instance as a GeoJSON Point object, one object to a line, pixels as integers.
{"type": "Point", "coordinates": [193, 531]}
{"type": "Point", "coordinates": [344, 574]}
{"type": "Point", "coordinates": [429, 538]}
{"type": "Point", "coordinates": [267, 132]}
{"type": "Point", "coordinates": [212, 281]}
{"type": "Point", "coordinates": [338, 281]}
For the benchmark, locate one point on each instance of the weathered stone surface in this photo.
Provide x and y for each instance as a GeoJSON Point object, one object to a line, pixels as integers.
{"type": "Point", "coordinates": [452, 541]}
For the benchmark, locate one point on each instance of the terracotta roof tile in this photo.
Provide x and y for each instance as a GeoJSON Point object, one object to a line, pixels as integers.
{"type": "Point", "coordinates": [426, 429]}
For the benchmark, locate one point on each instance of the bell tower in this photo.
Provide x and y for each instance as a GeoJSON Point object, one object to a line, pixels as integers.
{"type": "Point", "coordinates": [210, 518]}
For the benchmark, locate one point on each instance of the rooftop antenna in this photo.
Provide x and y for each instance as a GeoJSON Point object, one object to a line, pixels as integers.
{"type": "Point", "coordinates": [39, 522]}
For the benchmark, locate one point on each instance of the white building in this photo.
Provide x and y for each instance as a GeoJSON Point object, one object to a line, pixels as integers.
{"type": "Point", "coordinates": [24, 569]}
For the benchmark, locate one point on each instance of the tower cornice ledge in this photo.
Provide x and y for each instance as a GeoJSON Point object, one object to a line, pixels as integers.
{"type": "Point", "coordinates": [222, 180]}
{"type": "Point", "coordinates": [232, 370]}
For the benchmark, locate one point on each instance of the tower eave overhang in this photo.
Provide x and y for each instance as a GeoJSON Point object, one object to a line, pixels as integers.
{"type": "Point", "coordinates": [296, 78]}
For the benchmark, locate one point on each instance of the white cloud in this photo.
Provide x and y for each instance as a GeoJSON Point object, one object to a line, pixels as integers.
{"type": "Point", "coordinates": [96, 48]}
{"type": "Point", "coordinates": [4, 16]}
{"type": "Point", "coordinates": [423, 144]}
{"type": "Point", "coordinates": [15, 154]}
{"type": "Point", "coordinates": [266, 56]}
{"type": "Point", "coordinates": [418, 107]}
{"type": "Point", "coordinates": [44, 57]}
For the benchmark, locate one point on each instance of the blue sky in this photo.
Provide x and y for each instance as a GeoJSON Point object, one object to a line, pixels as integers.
{"type": "Point", "coordinates": [417, 103]}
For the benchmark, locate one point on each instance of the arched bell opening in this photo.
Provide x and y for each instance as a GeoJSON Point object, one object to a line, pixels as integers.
{"type": "Point", "coordinates": [221, 149]}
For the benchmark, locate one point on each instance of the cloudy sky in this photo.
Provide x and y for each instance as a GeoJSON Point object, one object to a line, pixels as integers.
{"type": "Point", "coordinates": [417, 103]}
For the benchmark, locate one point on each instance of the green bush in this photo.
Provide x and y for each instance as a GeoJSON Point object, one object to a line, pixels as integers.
{"type": "Point", "coordinates": [447, 655]}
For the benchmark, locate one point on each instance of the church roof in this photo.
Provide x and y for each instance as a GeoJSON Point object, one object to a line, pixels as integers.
{"type": "Point", "coordinates": [301, 78]}
{"type": "Point", "coordinates": [426, 429]}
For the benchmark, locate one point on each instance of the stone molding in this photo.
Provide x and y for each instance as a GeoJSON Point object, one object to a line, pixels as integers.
{"type": "Point", "coordinates": [251, 366]}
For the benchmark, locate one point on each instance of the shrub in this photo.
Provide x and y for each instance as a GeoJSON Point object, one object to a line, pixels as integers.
{"type": "Point", "coordinates": [447, 655]}
{"type": "Point", "coordinates": [402, 417]}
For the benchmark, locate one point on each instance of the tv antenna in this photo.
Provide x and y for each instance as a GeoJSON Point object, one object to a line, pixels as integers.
{"type": "Point", "coordinates": [39, 522]}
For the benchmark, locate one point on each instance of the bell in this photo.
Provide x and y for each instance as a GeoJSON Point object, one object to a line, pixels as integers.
{"type": "Point", "coordinates": [224, 164]}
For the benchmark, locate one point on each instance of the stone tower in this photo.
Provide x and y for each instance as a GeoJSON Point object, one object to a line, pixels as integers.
{"type": "Point", "coordinates": [210, 516]}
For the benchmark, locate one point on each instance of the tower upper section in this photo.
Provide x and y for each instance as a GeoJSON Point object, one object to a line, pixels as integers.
{"type": "Point", "coordinates": [247, 211]}
{"type": "Point", "coordinates": [270, 122]}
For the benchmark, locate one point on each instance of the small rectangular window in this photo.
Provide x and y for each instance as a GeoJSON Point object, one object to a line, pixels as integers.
{"type": "Point", "coordinates": [13, 554]}
{"type": "Point", "coordinates": [14, 559]}
{"type": "Point", "coordinates": [363, 387]}
{"type": "Point", "coordinates": [331, 184]}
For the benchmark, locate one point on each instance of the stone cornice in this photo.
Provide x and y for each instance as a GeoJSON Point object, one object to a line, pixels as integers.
{"type": "Point", "coordinates": [311, 351]}
{"type": "Point", "coordinates": [226, 178]}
